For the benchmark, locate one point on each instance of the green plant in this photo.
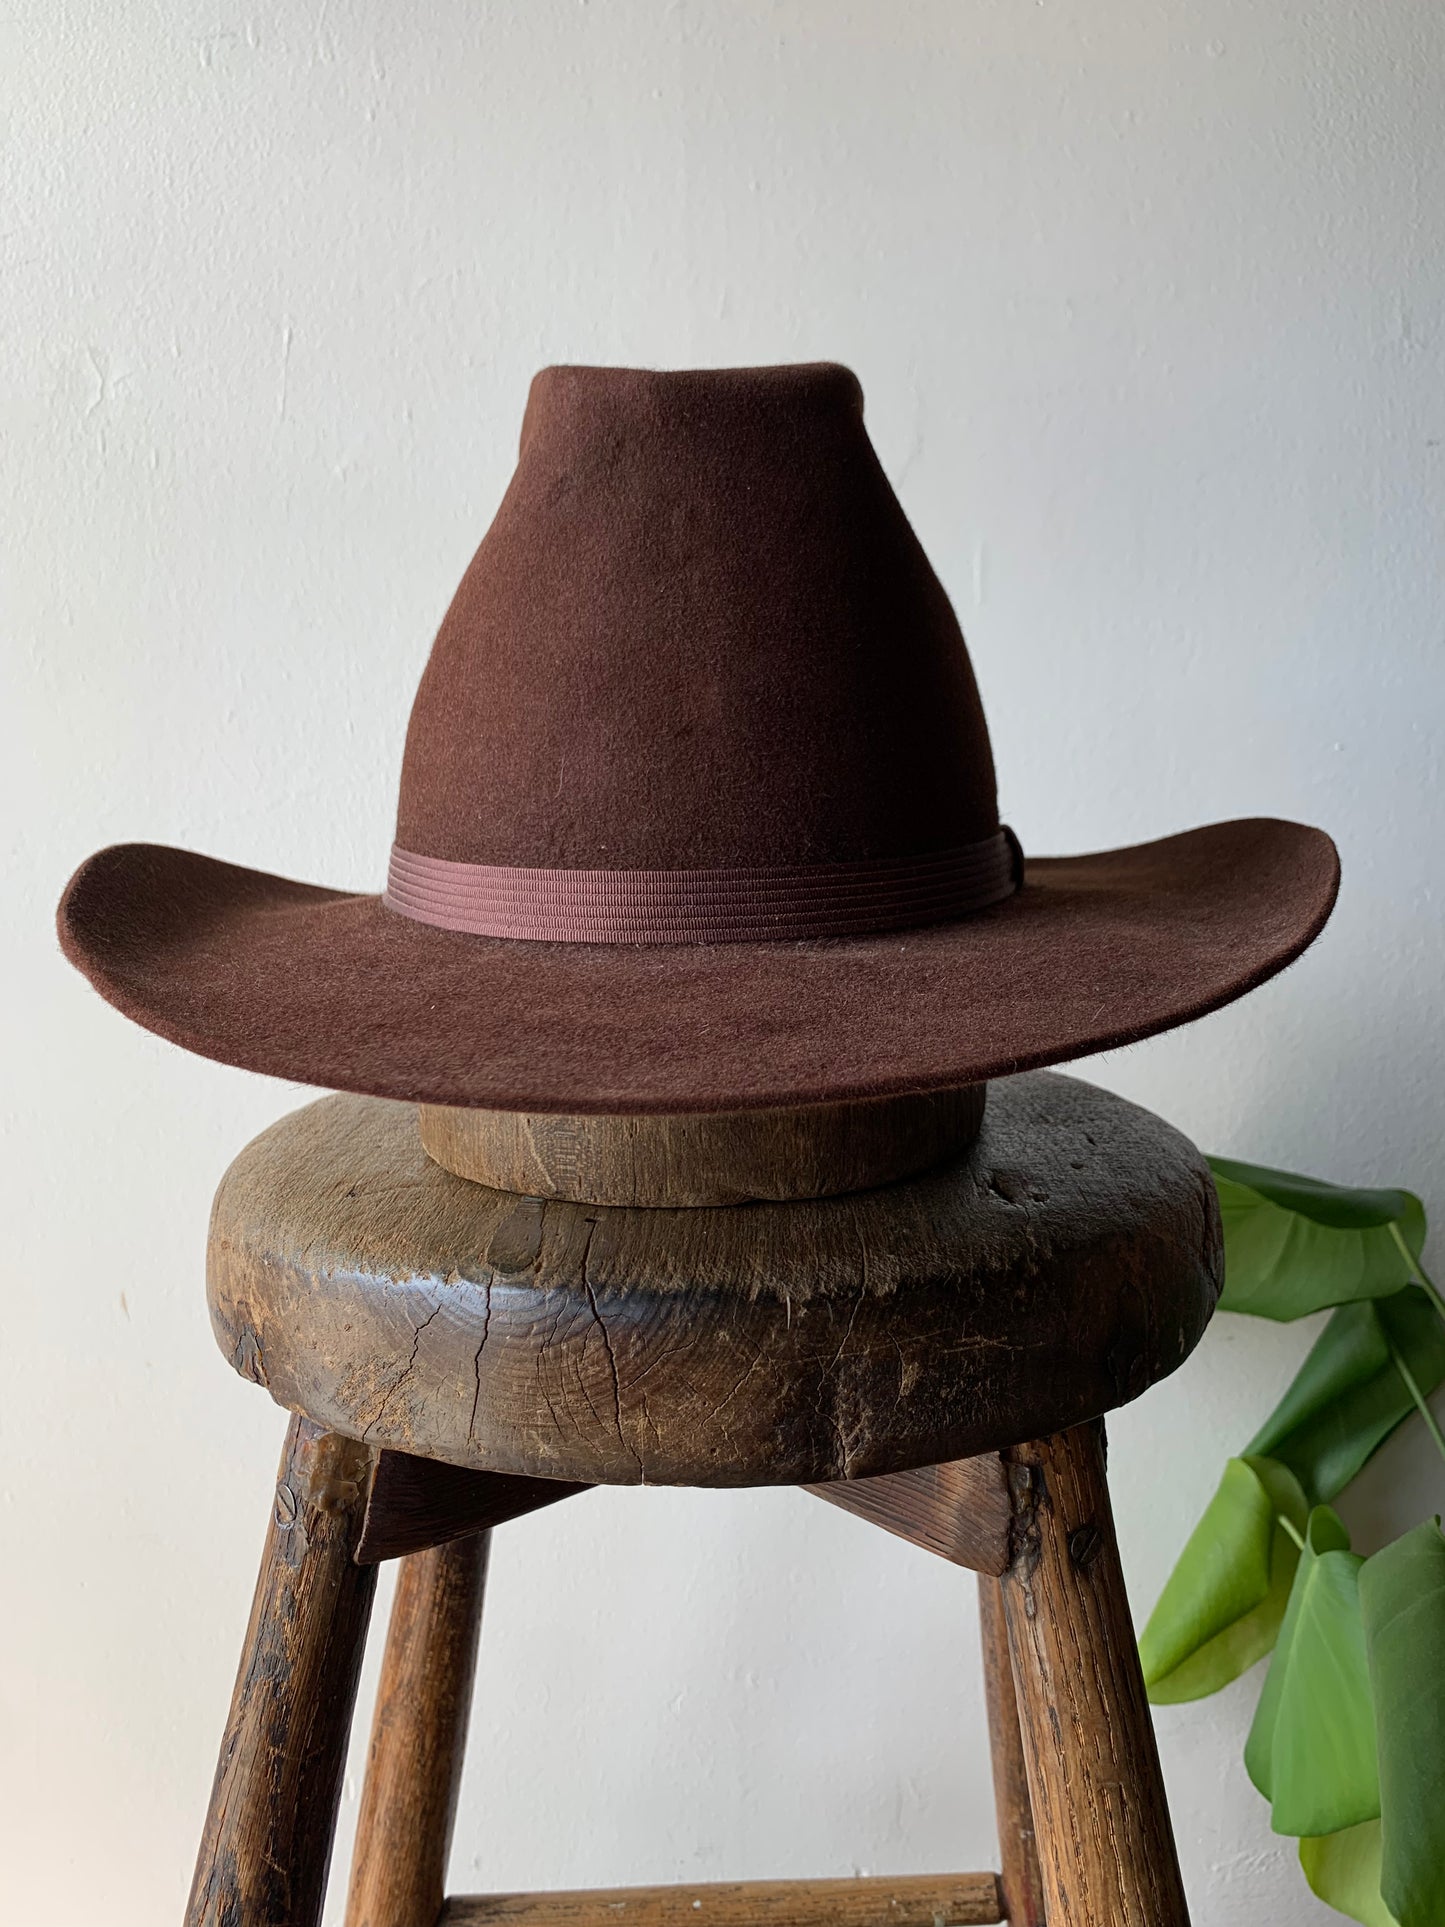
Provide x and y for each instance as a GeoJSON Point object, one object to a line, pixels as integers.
{"type": "Point", "coordinates": [1348, 1740]}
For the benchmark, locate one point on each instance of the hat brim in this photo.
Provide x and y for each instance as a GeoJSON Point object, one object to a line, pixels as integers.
{"type": "Point", "coordinates": [333, 989]}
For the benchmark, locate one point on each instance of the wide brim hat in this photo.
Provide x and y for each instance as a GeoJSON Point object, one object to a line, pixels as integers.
{"type": "Point", "coordinates": [698, 813]}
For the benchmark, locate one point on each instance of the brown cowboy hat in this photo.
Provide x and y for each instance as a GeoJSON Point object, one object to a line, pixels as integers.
{"type": "Point", "coordinates": [697, 813]}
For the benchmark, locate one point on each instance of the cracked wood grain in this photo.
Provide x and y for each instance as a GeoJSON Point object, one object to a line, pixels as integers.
{"type": "Point", "coordinates": [612, 1368]}
{"type": "Point", "coordinates": [404, 1374]}
{"type": "Point", "coordinates": [1066, 1261]}
{"type": "Point", "coordinates": [1102, 1829]}
{"type": "Point", "coordinates": [477, 1356]}
{"type": "Point", "coordinates": [267, 1842]}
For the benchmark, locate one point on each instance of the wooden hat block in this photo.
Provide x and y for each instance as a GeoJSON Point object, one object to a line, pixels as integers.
{"type": "Point", "coordinates": [782, 1155]}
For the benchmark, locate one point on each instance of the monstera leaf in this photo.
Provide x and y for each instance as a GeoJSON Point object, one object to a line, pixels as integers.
{"type": "Point", "coordinates": [1294, 1245]}
{"type": "Point", "coordinates": [1225, 1599]}
{"type": "Point", "coordinates": [1402, 1600]}
{"type": "Point", "coordinates": [1311, 1750]}
{"type": "Point", "coordinates": [1348, 1396]}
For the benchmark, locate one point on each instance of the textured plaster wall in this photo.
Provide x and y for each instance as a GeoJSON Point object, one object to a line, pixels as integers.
{"type": "Point", "coordinates": [1149, 305]}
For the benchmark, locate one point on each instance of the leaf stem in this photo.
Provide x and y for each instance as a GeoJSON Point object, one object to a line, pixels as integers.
{"type": "Point", "coordinates": [1422, 1277]}
{"type": "Point", "coordinates": [1422, 1405]}
{"type": "Point", "coordinates": [1291, 1528]}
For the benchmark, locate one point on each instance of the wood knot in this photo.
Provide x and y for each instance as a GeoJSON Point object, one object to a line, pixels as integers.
{"type": "Point", "coordinates": [333, 1469]}
{"type": "Point", "coordinates": [247, 1359]}
{"type": "Point", "coordinates": [1129, 1368]}
{"type": "Point", "coordinates": [1021, 1486]}
{"type": "Point", "coordinates": [1026, 1493]}
{"type": "Point", "coordinates": [1085, 1543]}
{"type": "Point", "coordinates": [335, 1495]}
{"type": "Point", "coordinates": [1015, 1188]}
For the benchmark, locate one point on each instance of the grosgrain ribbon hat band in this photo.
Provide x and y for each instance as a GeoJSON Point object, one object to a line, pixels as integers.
{"type": "Point", "coordinates": [705, 906]}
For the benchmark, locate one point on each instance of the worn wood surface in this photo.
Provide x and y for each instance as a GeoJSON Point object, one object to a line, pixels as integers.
{"type": "Point", "coordinates": [418, 1737]}
{"type": "Point", "coordinates": [1105, 1843]}
{"type": "Point", "coordinates": [267, 1842]}
{"type": "Point", "coordinates": [960, 1510]}
{"type": "Point", "coordinates": [725, 1157]}
{"type": "Point", "coordinates": [1056, 1270]}
{"type": "Point", "coordinates": [1021, 1881]}
{"type": "Point", "coordinates": [925, 1900]}
{"type": "Point", "coordinates": [415, 1503]}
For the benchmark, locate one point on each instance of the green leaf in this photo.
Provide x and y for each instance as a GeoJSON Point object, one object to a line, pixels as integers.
{"type": "Point", "coordinates": [1344, 1870]}
{"type": "Point", "coordinates": [1311, 1750]}
{"type": "Point", "coordinates": [1222, 1605]}
{"type": "Point", "coordinates": [1347, 1397]}
{"type": "Point", "coordinates": [1402, 1599]}
{"type": "Point", "coordinates": [1294, 1245]}
{"type": "Point", "coordinates": [1339, 1205]}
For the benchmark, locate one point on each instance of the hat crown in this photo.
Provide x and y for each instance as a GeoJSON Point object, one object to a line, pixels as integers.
{"type": "Point", "coordinates": [699, 634]}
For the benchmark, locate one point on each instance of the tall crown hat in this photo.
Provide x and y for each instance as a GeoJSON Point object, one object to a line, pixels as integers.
{"type": "Point", "coordinates": [697, 813]}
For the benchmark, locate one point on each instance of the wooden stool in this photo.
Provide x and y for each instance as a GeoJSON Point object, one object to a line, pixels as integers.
{"type": "Point", "coordinates": [931, 1355]}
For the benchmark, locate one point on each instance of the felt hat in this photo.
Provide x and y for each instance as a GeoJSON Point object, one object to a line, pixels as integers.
{"type": "Point", "coordinates": [697, 813]}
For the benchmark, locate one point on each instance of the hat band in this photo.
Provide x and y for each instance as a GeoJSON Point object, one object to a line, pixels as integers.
{"type": "Point", "coordinates": [705, 906]}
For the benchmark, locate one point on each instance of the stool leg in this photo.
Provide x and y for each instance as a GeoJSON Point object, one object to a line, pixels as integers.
{"type": "Point", "coordinates": [267, 1841]}
{"type": "Point", "coordinates": [1023, 1893]}
{"type": "Point", "coordinates": [418, 1737]}
{"type": "Point", "coordinates": [1105, 1844]}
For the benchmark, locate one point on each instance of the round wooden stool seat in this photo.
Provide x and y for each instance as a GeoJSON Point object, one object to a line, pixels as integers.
{"type": "Point", "coordinates": [1066, 1261]}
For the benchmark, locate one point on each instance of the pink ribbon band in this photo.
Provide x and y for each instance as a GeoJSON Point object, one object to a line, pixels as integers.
{"type": "Point", "coordinates": [704, 906]}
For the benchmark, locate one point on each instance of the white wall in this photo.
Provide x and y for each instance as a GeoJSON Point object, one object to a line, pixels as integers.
{"type": "Point", "coordinates": [1147, 302]}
